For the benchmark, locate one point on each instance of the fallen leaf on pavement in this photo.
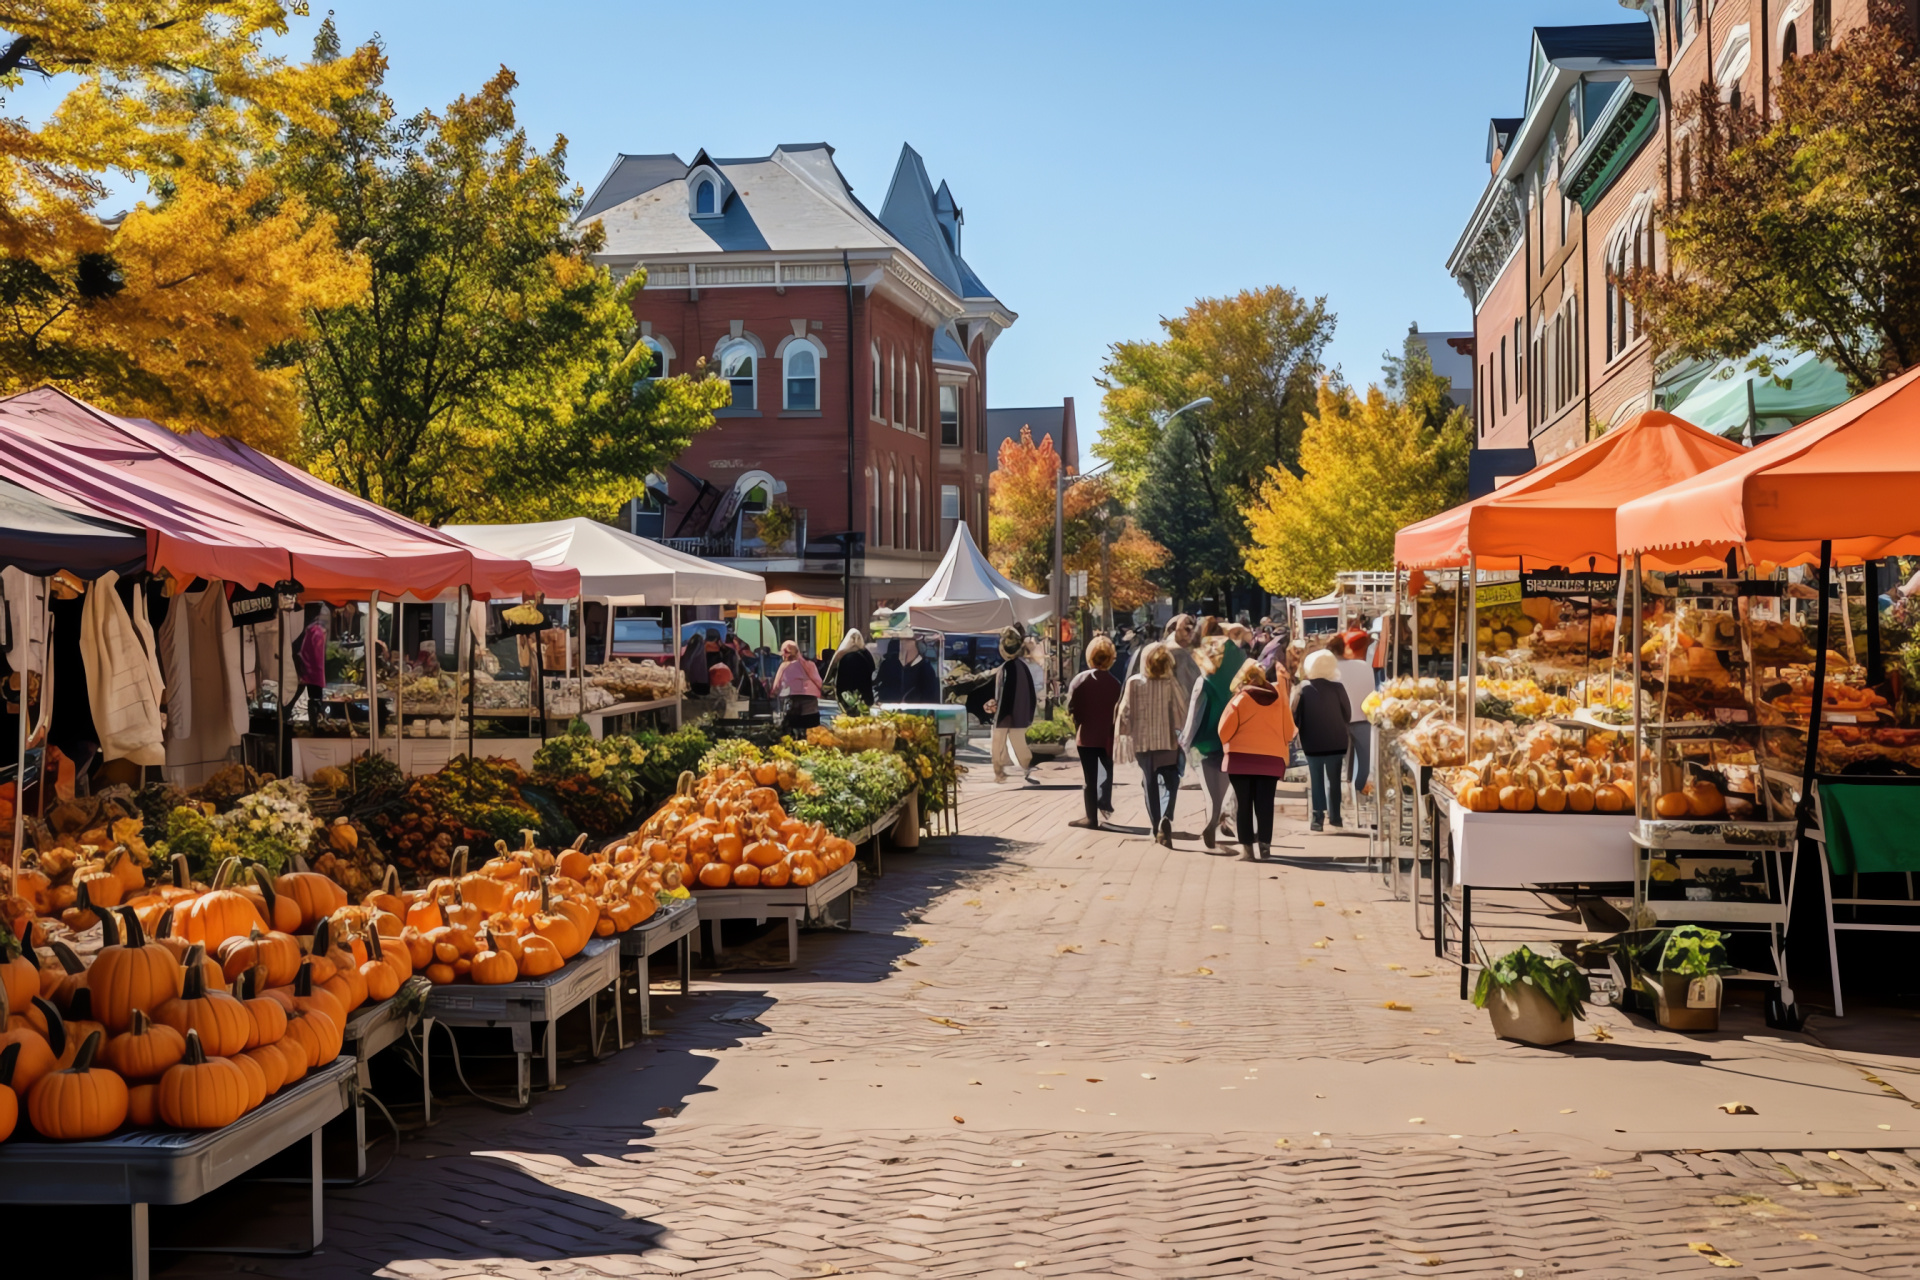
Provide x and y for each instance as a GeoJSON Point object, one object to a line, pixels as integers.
{"type": "Point", "coordinates": [1566, 1111]}
{"type": "Point", "coordinates": [1711, 1254]}
{"type": "Point", "coordinates": [1397, 1007]}
{"type": "Point", "coordinates": [1421, 973]}
{"type": "Point", "coordinates": [1738, 1109]}
{"type": "Point", "coordinates": [1318, 903]}
{"type": "Point", "coordinates": [1601, 1173]}
{"type": "Point", "coordinates": [1204, 972]}
{"type": "Point", "coordinates": [1418, 1120]}
{"type": "Point", "coordinates": [973, 902]}
{"type": "Point", "coordinates": [1396, 967]}
{"type": "Point", "coordinates": [1148, 1075]}
{"type": "Point", "coordinates": [1600, 1032]}
{"type": "Point", "coordinates": [959, 1120]}
{"type": "Point", "coordinates": [949, 1022]}
{"type": "Point", "coordinates": [1457, 1058]}
{"type": "Point", "coordinates": [1218, 928]}
{"type": "Point", "coordinates": [1808, 1235]}
{"type": "Point", "coordinates": [1281, 1142]}
{"type": "Point", "coordinates": [1095, 1079]}
{"type": "Point", "coordinates": [1067, 947]}
{"type": "Point", "coordinates": [1844, 1189]}
{"type": "Point", "coordinates": [1322, 944]}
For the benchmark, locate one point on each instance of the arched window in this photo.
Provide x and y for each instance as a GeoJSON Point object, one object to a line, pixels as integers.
{"type": "Point", "coordinates": [1519, 363]}
{"type": "Point", "coordinates": [1503, 375]}
{"type": "Point", "coordinates": [1790, 44]}
{"type": "Point", "coordinates": [1686, 168]}
{"type": "Point", "coordinates": [893, 506]}
{"type": "Point", "coordinates": [657, 365]}
{"type": "Point", "coordinates": [913, 536]}
{"type": "Point", "coordinates": [703, 198]}
{"type": "Point", "coordinates": [899, 390]}
{"type": "Point", "coordinates": [1822, 24]}
{"type": "Point", "coordinates": [803, 377]}
{"type": "Point", "coordinates": [919, 427]}
{"type": "Point", "coordinates": [1734, 99]}
{"type": "Point", "coordinates": [876, 380]}
{"type": "Point", "coordinates": [875, 529]}
{"type": "Point", "coordinates": [737, 367]}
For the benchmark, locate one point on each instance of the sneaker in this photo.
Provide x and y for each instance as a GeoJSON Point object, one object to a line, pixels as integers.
{"type": "Point", "coordinates": [1164, 836]}
{"type": "Point", "coordinates": [1029, 778]}
{"type": "Point", "coordinates": [1206, 834]}
{"type": "Point", "coordinates": [1266, 851]}
{"type": "Point", "coordinates": [1089, 823]}
{"type": "Point", "coordinates": [1314, 825]}
{"type": "Point", "coordinates": [1246, 853]}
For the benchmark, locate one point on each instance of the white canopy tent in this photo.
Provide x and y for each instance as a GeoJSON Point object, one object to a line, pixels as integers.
{"type": "Point", "coordinates": [968, 595]}
{"type": "Point", "coordinates": [616, 567]}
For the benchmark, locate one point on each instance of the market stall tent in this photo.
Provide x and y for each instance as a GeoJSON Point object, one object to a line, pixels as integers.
{"type": "Point", "coordinates": [966, 594]}
{"type": "Point", "coordinates": [1846, 477]}
{"type": "Point", "coordinates": [1563, 513]}
{"type": "Point", "coordinates": [41, 537]}
{"type": "Point", "coordinates": [218, 510]}
{"type": "Point", "coordinates": [615, 567]}
{"type": "Point", "coordinates": [752, 628]}
{"type": "Point", "coordinates": [1732, 400]}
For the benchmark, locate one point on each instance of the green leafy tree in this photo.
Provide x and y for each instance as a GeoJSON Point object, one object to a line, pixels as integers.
{"type": "Point", "coordinates": [1256, 354]}
{"type": "Point", "coordinates": [1176, 513]}
{"type": "Point", "coordinates": [1801, 229]}
{"type": "Point", "coordinates": [1369, 465]}
{"type": "Point", "coordinates": [493, 371]}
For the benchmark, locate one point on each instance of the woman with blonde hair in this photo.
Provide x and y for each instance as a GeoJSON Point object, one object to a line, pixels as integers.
{"type": "Point", "coordinates": [1256, 736]}
{"type": "Point", "coordinates": [799, 682]}
{"type": "Point", "coordinates": [1150, 715]}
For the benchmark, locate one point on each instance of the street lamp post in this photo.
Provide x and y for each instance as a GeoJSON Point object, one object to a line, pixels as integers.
{"type": "Point", "coordinates": [1060, 482]}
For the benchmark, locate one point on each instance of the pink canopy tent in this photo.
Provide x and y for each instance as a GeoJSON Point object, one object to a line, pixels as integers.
{"type": "Point", "coordinates": [214, 508]}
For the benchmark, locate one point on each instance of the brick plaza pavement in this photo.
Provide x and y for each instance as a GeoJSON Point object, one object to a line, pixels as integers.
{"type": "Point", "coordinates": [1046, 1051]}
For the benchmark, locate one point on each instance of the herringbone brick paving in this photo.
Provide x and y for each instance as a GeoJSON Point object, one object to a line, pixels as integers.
{"type": "Point", "coordinates": [1025, 941]}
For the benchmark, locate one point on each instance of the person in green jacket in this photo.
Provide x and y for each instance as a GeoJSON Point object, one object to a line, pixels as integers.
{"type": "Point", "coordinates": [1218, 658]}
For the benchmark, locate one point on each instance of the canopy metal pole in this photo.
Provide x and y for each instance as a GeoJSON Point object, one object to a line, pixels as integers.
{"type": "Point", "coordinates": [1803, 815]}
{"type": "Point", "coordinates": [463, 662]}
{"type": "Point", "coordinates": [1639, 728]}
{"type": "Point", "coordinates": [680, 697]}
{"type": "Point", "coordinates": [280, 763]}
{"type": "Point", "coordinates": [1473, 651]}
{"type": "Point", "coordinates": [20, 767]}
{"type": "Point", "coordinates": [580, 629]}
{"type": "Point", "coordinates": [371, 642]}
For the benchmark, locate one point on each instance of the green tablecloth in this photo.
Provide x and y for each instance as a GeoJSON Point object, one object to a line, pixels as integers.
{"type": "Point", "coordinates": [1871, 826]}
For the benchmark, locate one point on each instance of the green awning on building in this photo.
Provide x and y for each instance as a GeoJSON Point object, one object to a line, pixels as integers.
{"type": "Point", "coordinates": [1731, 397]}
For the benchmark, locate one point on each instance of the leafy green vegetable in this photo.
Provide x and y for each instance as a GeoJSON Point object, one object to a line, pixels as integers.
{"type": "Point", "coordinates": [1686, 949]}
{"type": "Point", "coordinates": [1555, 977]}
{"type": "Point", "coordinates": [1057, 729]}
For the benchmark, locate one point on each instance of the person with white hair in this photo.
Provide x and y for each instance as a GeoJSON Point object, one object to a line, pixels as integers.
{"type": "Point", "coordinates": [851, 671]}
{"type": "Point", "coordinates": [799, 683]}
{"type": "Point", "coordinates": [1320, 716]}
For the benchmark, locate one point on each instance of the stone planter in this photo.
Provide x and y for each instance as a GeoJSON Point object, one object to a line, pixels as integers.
{"type": "Point", "coordinates": [906, 831]}
{"type": "Point", "coordinates": [1047, 750]}
{"type": "Point", "coordinates": [1521, 1012]}
{"type": "Point", "coordinates": [1679, 1006]}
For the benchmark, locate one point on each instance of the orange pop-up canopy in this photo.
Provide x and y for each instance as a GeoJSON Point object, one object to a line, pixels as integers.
{"type": "Point", "coordinates": [1563, 513]}
{"type": "Point", "coordinates": [1849, 476]}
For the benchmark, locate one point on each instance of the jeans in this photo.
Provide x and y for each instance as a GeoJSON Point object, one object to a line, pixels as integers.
{"type": "Point", "coordinates": [1005, 740]}
{"type": "Point", "coordinates": [1096, 767]}
{"type": "Point", "coordinates": [1213, 772]}
{"type": "Point", "coordinates": [1162, 786]}
{"type": "Point", "coordinates": [1325, 774]}
{"type": "Point", "coordinates": [1254, 794]}
{"type": "Point", "coordinates": [1359, 752]}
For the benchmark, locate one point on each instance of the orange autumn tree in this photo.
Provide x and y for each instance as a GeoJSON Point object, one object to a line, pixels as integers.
{"type": "Point", "coordinates": [1020, 497]}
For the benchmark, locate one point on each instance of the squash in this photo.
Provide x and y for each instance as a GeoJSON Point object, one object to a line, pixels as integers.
{"type": "Point", "coordinates": [145, 1050]}
{"type": "Point", "coordinates": [40, 1048]}
{"type": "Point", "coordinates": [81, 1102]}
{"type": "Point", "coordinates": [221, 912]}
{"type": "Point", "coordinates": [1673, 804]}
{"type": "Point", "coordinates": [1553, 798]}
{"type": "Point", "coordinates": [129, 974]}
{"type": "Point", "coordinates": [222, 1021]}
{"type": "Point", "coordinates": [1704, 800]}
{"type": "Point", "coordinates": [1610, 798]}
{"type": "Point", "coordinates": [1580, 797]}
{"type": "Point", "coordinates": [200, 1092]}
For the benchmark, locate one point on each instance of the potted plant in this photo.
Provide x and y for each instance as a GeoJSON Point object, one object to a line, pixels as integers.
{"type": "Point", "coordinates": [1680, 969]}
{"type": "Point", "coordinates": [775, 528]}
{"type": "Point", "coordinates": [1532, 998]}
{"type": "Point", "coordinates": [1048, 739]}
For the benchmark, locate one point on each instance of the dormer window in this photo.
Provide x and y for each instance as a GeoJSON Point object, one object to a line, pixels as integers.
{"type": "Point", "coordinates": [706, 192]}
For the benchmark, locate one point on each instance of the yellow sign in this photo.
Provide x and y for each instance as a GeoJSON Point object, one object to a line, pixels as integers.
{"type": "Point", "coordinates": [1496, 593]}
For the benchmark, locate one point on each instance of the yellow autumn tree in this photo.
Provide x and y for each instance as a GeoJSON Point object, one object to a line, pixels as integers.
{"type": "Point", "coordinates": [1370, 464]}
{"type": "Point", "coordinates": [1020, 497]}
{"type": "Point", "coordinates": [182, 308]}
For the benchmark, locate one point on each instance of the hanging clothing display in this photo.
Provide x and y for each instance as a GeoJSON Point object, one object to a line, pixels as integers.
{"type": "Point", "coordinates": [212, 700]}
{"type": "Point", "coordinates": [124, 687]}
{"type": "Point", "coordinates": [26, 620]}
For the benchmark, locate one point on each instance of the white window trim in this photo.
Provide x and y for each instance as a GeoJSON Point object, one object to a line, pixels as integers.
{"type": "Point", "coordinates": [747, 340]}
{"type": "Point", "coordinates": [1788, 18]}
{"type": "Point", "coordinates": [706, 173]}
{"type": "Point", "coordinates": [663, 349]}
{"type": "Point", "coordinates": [785, 351]}
{"type": "Point", "coordinates": [1736, 54]}
{"type": "Point", "coordinates": [877, 401]}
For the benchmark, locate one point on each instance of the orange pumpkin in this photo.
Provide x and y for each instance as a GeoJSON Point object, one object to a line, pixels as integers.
{"type": "Point", "coordinates": [276, 954]}
{"type": "Point", "coordinates": [220, 913]}
{"type": "Point", "coordinates": [539, 957]}
{"type": "Point", "coordinates": [387, 896]}
{"type": "Point", "coordinates": [315, 895]}
{"type": "Point", "coordinates": [256, 1080]}
{"type": "Point", "coordinates": [129, 974]}
{"type": "Point", "coordinates": [201, 1092]}
{"type": "Point", "coordinates": [40, 1048]}
{"type": "Point", "coordinates": [268, 1015]}
{"type": "Point", "coordinates": [272, 1064]}
{"type": "Point", "coordinates": [378, 973]}
{"type": "Point", "coordinates": [81, 1102]}
{"type": "Point", "coordinates": [222, 1021]}
{"type": "Point", "coordinates": [493, 967]}
{"type": "Point", "coordinates": [143, 1105]}
{"type": "Point", "coordinates": [313, 1030]}
{"type": "Point", "coordinates": [145, 1049]}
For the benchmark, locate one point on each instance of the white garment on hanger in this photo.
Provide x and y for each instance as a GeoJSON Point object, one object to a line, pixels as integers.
{"type": "Point", "coordinates": [123, 675]}
{"type": "Point", "coordinates": [176, 663]}
{"type": "Point", "coordinates": [27, 616]}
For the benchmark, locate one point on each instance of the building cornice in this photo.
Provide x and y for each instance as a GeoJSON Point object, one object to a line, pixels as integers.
{"type": "Point", "coordinates": [1624, 123]}
{"type": "Point", "coordinates": [1491, 237]}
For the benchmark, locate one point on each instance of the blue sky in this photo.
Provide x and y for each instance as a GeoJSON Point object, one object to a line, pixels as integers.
{"type": "Point", "coordinates": [1115, 160]}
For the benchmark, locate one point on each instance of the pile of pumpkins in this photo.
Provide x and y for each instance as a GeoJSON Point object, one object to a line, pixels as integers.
{"type": "Point", "coordinates": [1549, 785]}
{"type": "Point", "coordinates": [728, 829]}
{"type": "Point", "coordinates": [162, 1030]}
{"type": "Point", "coordinates": [522, 914]}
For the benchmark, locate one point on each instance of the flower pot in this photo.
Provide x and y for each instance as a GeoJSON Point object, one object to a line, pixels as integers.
{"type": "Point", "coordinates": [1047, 750]}
{"type": "Point", "coordinates": [906, 832]}
{"type": "Point", "coordinates": [1680, 1005]}
{"type": "Point", "coordinates": [1522, 1012]}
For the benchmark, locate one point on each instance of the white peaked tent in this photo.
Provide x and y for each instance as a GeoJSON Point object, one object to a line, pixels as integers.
{"type": "Point", "coordinates": [966, 594]}
{"type": "Point", "coordinates": [617, 567]}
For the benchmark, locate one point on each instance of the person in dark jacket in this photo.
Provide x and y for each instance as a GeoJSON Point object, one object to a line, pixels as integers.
{"type": "Point", "coordinates": [693, 661]}
{"type": "Point", "coordinates": [851, 672]}
{"type": "Point", "coordinates": [1014, 700]}
{"type": "Point", "coordinates": [1092, 699]}
{"type": "Point", "coordinates": [1321, 714]}
{"type": "Point", "coordinates": [886, 682]}
{"type": "Point", "coordinates": [919, 680]}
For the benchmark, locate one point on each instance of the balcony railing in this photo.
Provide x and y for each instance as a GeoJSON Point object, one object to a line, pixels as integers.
{"type": "Point", "coordinates": [745, 546]}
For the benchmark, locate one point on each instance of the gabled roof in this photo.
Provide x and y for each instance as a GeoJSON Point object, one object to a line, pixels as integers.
{"type": "Point", "coordinates": [795, 200]}
{"type": "Point", "coordinates": [1500, 131]}
{"type": "Point", "coordinates": [928, 223]}
{"type": "Point", "coordinates": [948, 351]}
{"type": "Point", "coordinates": [1607, 41]}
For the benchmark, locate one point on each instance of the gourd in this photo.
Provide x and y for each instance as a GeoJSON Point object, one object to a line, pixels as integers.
{"type": "Point", "coordinates": [9, 1100]}
{"type": "Point", "coordinates": [129, 975]}
{"type": "Point", "coordinates": [80, 1102]}
{"type": "Point", "coordinates": [220, 913]}
{"type": "Point", "coordinates": [492, 967]}
{"type": "Point", "coordinates": [1673, 804]}
{"type": "Point", "coordinates": [1610, 798]}
{"type": "Point", "coordinates": [1704, 800]}
{"type": "Point", "coordinates": [275, 954]}
{"type": "Point", "coordinates": [1553, 798]}
{"type": "Point", "coordinates": [200, 1092]}
{"type": "Point", "coordinates": [1580, 797]}
{"type": "Point", "coordinates": [1517, 799]}
{"type": "Point", "coordinates": [221, 1021]}
{"type": "Point", "coordinates": [145, 1050]}
{"type": "Point", "coordinates": [40, 1047]}
{"type": "Point", "coordinates": [746, 876]}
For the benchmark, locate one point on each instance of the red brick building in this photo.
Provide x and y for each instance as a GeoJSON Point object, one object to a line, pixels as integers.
{"type": "Point", "coordinates": [857, 348]}
{"type": "Point", "coordinates": [1575, 185]}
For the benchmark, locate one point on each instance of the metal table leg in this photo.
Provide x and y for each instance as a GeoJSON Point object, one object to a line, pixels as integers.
{"type": "Point", "coordinates": [318, 1201]}
{"type": "Point", "coordinates": [646, 996]}
{"type": "Point", "coordinates": [141, 1240]}
{"type": "Point", "coordinates": [686, 965]}
{"type": "Point", "coordinates": [553, 1054]}
{"type": "Point", "coordinates": [1466, 935]}
{"type": "Point", "coordinates": [426, 1068]}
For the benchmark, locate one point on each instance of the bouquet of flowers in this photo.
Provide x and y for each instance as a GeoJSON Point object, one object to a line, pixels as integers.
{"type": "Point", "coordinates": [270, 825]}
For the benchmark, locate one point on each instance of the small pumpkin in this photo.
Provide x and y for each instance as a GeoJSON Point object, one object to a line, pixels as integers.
{"type": "Point", "coordinates": [129, 974]}
{"type": "Point", "coordinates": [143, 1105]}
{"type": "Point", "coordinates": [80, 1020]}
{"type": "Point", "coordinates": [1672, 804]}
{"type": "Point", "coordinates": [539, 956]}
{"type": "Point", "coordinates": [316, 896]}
{"type": "Point", "coordinates": [277, 954]}
{"type": "Point", "coordinates": [1553, 798]}
{"type": "Point", "coordinates": [319, 1035]}
{"type": "Point", "coordinates": [41, 1046]}
{"type": "Point", "coordinates": [1704, 800]}
{"type": "Point", "coordinates": [387, 897]}
{"type": "Point", "coordinates": [221, 912]}
{"type": "Point", "coordinates": [19, 974]}
{"type": "Point", "coordinates": [201, 1092]}
{"type": "Point", "coordinates": [222, 1022]}
{"type": "Point", "coordinates": [269, 1016]}
{"type": "Point", "coordinates": [378, 974]}
{"type": "Point", "coordinates": [9, 1100]}
{"type": "Point", "coordinates": [1609, 797]}
{"type": "Point", "coordinates": [272, 1064]}
{"type": "Point", "coordinates": [280, 912]}
{"type": "Point", "coordinates": [492, 967]}
{"type": "Point", "coordinates": [145, 1050]}
{"type": "Point", "coordinates": [1580, 797]}
{"type": "Point", "coordinates": [81, 1102]}
{"type": "Point", "coordinates": [256, 1080]}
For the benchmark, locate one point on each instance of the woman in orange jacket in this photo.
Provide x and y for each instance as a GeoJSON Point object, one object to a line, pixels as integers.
{"type": "Point", "coordinates": [1256, 731]}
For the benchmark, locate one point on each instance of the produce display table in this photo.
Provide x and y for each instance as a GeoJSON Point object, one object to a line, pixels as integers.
{"type": "Point", "coordinates": [518, 1005]}
{"type": "Point", "coordinates": [879, 827]}
{"type": "Point", "coordinates": [374, 1027]}
{"type": "Point", "coordinates": [169, 1167]}
{"type": "Point", "coordinates": [622, 715]}
{"type": "Point", "coordinates": [670, 924]}
{"type": "Point", "coordinates": [793, 902]}
{"type": "Point", "coordinates": [1522, 850]}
